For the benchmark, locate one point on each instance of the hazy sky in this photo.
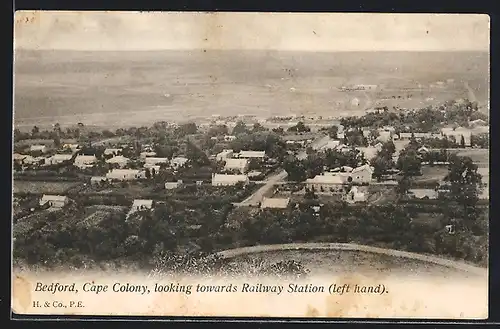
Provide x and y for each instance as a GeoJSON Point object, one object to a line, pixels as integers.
{"type": "Point", "coordinates": [279, 31]}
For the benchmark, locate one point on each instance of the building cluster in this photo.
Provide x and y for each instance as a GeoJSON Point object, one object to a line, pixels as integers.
{"type": "Point", "coordinates": [236, 166]}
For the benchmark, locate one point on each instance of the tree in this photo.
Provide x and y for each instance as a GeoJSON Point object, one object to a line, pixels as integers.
{"type": "Point", "coordinates": [187, 129]}
{"type": "Point", "coordinates": [258, 127]}
{"type": "Point", "coordinates": [278, 130]}
{"type": "Point", "coordinates": [333, 131]}
{"type": "Point", "coordinates": [462, 141]}
{"type": "Point", "coordinates": [35, 131]}
{"type": "Point", "coordinates": [388, 148]}
{"type": "Point", "coordinates": [409, 162]}
{"type": "Point", "coordinates": [381, 163]}
{"type": "Point", "coordinates": [296, 170]}
{"type": "Point", "coordinates": [300, 127]}
{"type": "Point", "coordinates": [403, 186]}
{"type": "Point", "coordinates": [240, 128]}
{"type": "Point", "coordinates": [195, 155]}
{"type": "Point", "coordinates": [465, 183]}
{"type": "Point", "coordinates": [148, 173]}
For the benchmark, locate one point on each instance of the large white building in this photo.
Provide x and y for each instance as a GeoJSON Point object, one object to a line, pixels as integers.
{"type": "Point", "coordinates": [125, 174]}
{"type": "Point", "coordinates": [334, 181]}
{"type": "Point", "coordinates": [250, 155]}
{"type": "Point", "coordinates": [155, 160]}
{"type": "Point", "coordinates": [228, 180]}
{"type": "Point", "coordinates": [240, 165]}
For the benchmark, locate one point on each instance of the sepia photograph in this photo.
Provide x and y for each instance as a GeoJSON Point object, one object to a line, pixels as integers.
{"type": "Point", "coordinates": [231, 164]}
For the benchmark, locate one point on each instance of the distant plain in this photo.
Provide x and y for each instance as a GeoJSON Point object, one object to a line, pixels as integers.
{"type": "Point", "coordinates": [137, 88]}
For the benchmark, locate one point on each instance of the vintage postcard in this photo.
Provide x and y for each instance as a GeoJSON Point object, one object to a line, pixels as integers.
{"type": "Point", "coordinates": [251, 164]}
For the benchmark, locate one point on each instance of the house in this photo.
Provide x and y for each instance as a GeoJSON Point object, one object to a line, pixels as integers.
{"type": "Point", "coordinates": [119, 160]}
{"type": "Point", "coordinates": [457, 134]}
{"type": "Point", "coordinates": [199, 182]}
{"type": "Point", "coordinates": [423, 150]}
{"type": "Point", "coordinates": [140, 205]}
{"type": "Point", "coordinates": [85, 161]}
{"type": "Point", "coordinates": [354, 195]}
{"type": "Point", "coordinates": [29, 160]}
{"type": "Point", "coordinates": [229, 138]}
{"type": "Point", "coordinates": [275, 203]}
{"type": "Point", "coordinates": [423, 193]}
{"type": "Point", "coordinates": [125, 174]}
{"type": "Point", "coordinates": [147, 154]}
{"type": "Point", "coordinates": [251, 154]}
{"type": "Point", "coordinates": [328, 183]}
{"type": "Point", "coordinates": [59, 158]}
{"type": "Point", "coordinates": [38, 148]}
{"type": "Point", "coordinates": [362, 174]}
{"type": "Point", "coordinates": [19, 158]}
{"type": "Point", "coordinates": [178, 162]}
{"type": "Point", "coordinates": [418, 136]}
{"type": "Point", "coordinates": [113, 151]}
{"type": "Point", "coordinates": [152, 168]}
{"type": "Point", "coordinates": [155, 160]}
{"type": "Point", "coordinates": [240, 165]}
{"type": "Point", "coordinates": [96, 180]}
{"type": "Point", "coordinates": [54, 201]}
{"type": "Point", "coordinates": [228, 180]}
{"type": "Point", "coordinates": [225, 154]}
{"type": "Point", "coordinates": [173, 185]}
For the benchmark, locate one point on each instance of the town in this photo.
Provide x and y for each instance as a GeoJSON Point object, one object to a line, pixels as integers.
{"type": "Point", "coordinates": [407, 179]}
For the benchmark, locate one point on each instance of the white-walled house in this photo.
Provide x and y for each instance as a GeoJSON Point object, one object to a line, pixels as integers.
{"type": "Point", "coordinates": [155, 160]}
{"type": "Point", "coordinates": [113, 151]}
{"type": "Point", "coordinates": [173, 185]}
{"type": "Point", "coordinates": [328, 183]}
{"type": "Point", "coordinates": [59, 158]}
{"type": "Point", "coordinates": [240, 165]}
{"type": "Point", "coordinates": [225, 154]}
{"type": "Point", "coordinates": [178, 162]}
{"type": "Point", "coordinates": [228, 180]}
{"type": "Point", "coordinates": [250, 155]}
{"type": "Point", "coordinates": [85, 161]}
{"type": "Point", "coordinates": [354, 195]}
{"type": "Point", "coordinates": [38, 148]}
{"type": "Point", "coordinates": [54, 201]}
{"type": "Point", "coordinates": [119, 160]}
{"type": "Point", "coordinates": [140, 205]}
{"type": "Point", "coordinates": [362, 174]}
{"type": "Point", "coordinates": [125, 174]}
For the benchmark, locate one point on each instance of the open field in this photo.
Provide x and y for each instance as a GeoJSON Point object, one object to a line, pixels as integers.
{"type": "Point", "coordinates": [480, 156]}
{"type": "Point", "coordinates": [43, 187]}
{"type": "Point", "coordinates": [130, 88]}
{"type": "Point", "coordinates": [432, 172]}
